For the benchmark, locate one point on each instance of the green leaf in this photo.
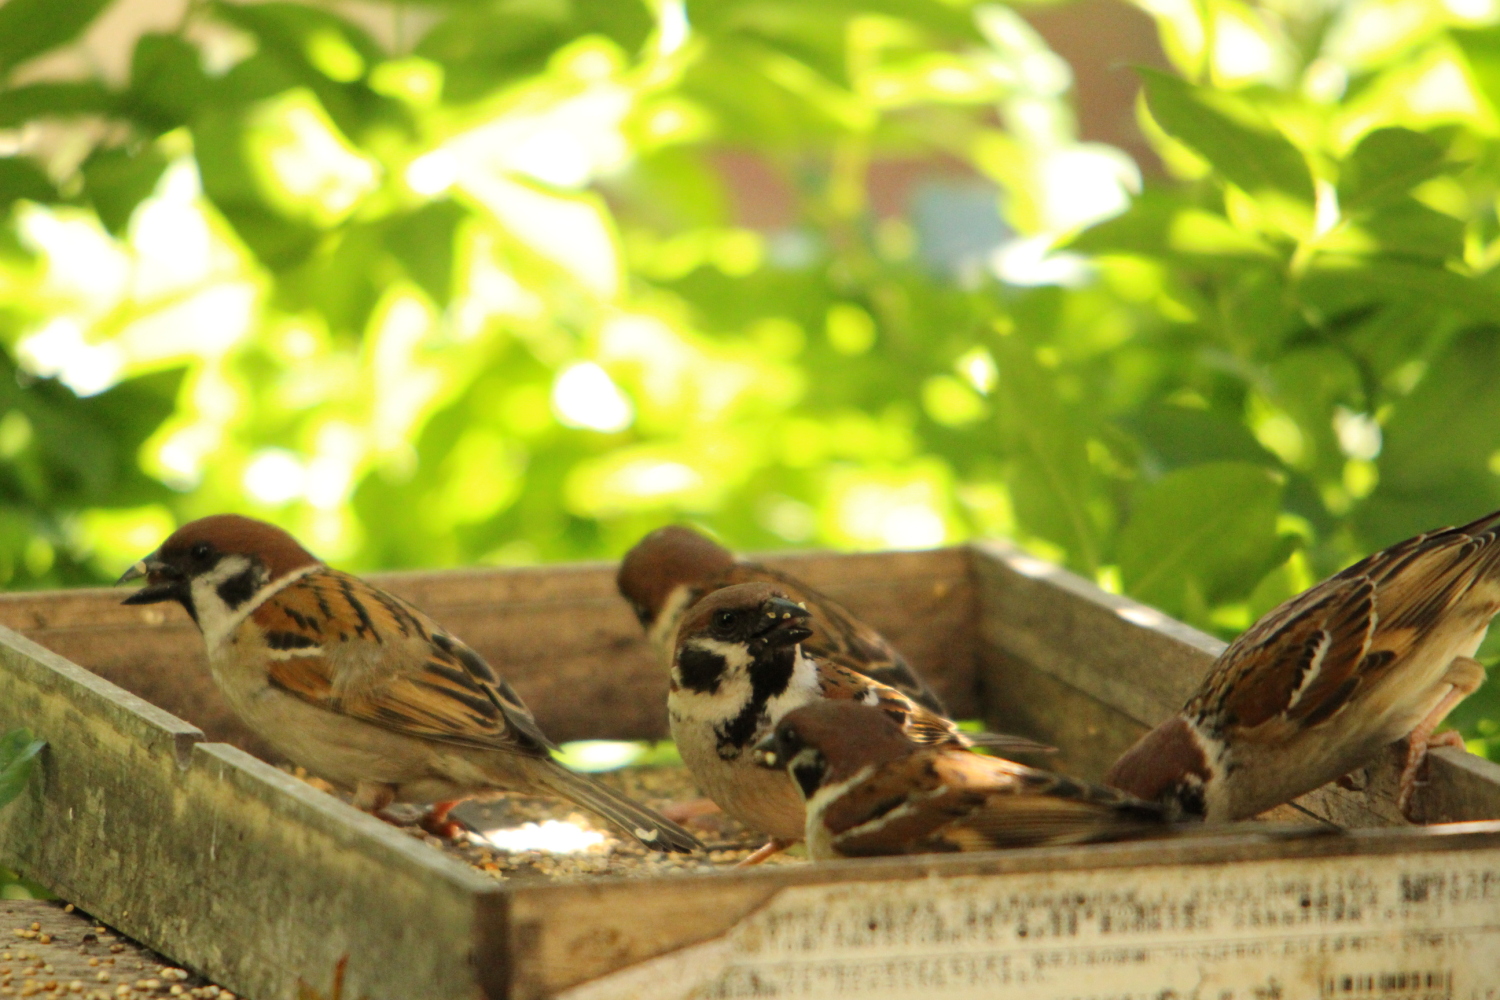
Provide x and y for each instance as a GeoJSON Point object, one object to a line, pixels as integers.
{"type": "Point", "coordinates": [1177, 436]}
{"type": "Point", "coordinates": [167, 83]}
{"type": "Point", "coordinates": [1239, 143]}
{"type": "Point", "coordinates": [20, 178]}
{"type": "Point", "coordinates": [117, 182]}
{"type": "Point", "coordinates": [43, 100]}
{"type": "Point", "coordinates": [1207, 530]}
{"type": "Point", "coordinates": [1050, 479]}
{"type": "Point", "coordinates": [1481, 47]}
{"type": "Point", "coordinates": [18, 752]}
{"type": "Point", "coordinates": [1435, 460]}
{"type": "Point", "coordinates": [423, 242]}
{"type": "Point", "coordinates": [1339, 284]}
{"type": "Point", "coordinates": [1387, 164]}
{"type": "Point", "coordinates": [31, 27]}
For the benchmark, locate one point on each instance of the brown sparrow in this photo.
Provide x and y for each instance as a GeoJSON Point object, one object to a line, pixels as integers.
{"type": "Point", "coordinates": [1317, 687]}
{"type": "Point", "coordinates": [869, 790]}
{"type": "Point", "coordinates": [673, 567]}
{"type": "Point", "coordinates": [358, 686]}
{"type": "Point", "coordinates": [738, 667]}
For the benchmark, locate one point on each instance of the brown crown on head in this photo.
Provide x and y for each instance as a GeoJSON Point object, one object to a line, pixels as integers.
{"type": "Point", "coordinates": [735, 598]}
{"type": "Point", "coordinates": [233, 534]}
{"type": "Point", "coordinates": [664, 560]}
{"type": "Point", "coordinates": [848, 734]}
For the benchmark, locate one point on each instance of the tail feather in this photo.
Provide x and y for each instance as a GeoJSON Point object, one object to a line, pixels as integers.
{"type": "Point", "coordinates": [1003, 744]}
{"type": "Point", "coordinates": [652, 830]}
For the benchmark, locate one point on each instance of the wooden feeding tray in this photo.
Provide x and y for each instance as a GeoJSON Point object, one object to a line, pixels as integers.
{"type": "Point", "coordinates": [153, 814]}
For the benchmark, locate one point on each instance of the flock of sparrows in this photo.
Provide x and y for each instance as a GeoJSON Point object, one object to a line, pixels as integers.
{"type": "Point", "coordinates": [802, 722]}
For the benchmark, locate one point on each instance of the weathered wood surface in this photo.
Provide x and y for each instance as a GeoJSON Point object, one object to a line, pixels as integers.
{"type": "Point", "coordinates": [50, 951]}
{"type": "Point", "coordinates": [565, 936]}
{"type": "Point", "coordinates": [224, 863]}
{"type": "Point", "coordinates": [1090, 672]}
{"type": "Point", "coordinates": [561, 635]}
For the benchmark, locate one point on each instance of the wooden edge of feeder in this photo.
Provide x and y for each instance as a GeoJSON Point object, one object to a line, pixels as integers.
{"type": "Point", "coordinates": [226, 864]}
{"type": "Point", "coordinates": [565, 936]}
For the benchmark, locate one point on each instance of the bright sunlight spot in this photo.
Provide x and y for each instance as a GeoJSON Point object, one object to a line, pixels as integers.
{"type": "Point", "coordinates": [585, 396]}
{"type": "Point", "coordinates": [550, 837]}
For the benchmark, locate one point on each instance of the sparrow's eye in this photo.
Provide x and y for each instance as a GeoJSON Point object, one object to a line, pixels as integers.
{"type": "Point", "coordinates": [201, 551]}
{"type": "Point", "coordinates": [724, 619]}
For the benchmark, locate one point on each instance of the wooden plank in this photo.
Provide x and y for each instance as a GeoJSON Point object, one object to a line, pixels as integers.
{"type": "Point", "coordinates": [231, 867]}
{"type": "Point", "coordinates": [740, 933]}
{"type": "Point", "coordinates": [68, 953]}
{"type": "Point", "coordinates": [561, 635]}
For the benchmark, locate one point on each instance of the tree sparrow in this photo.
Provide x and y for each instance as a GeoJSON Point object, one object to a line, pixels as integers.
{"type": "Point", "coordinates": [738, 667]}
{"type": "Point", "coordinates": [673, 567]}
{"type": "Point", "coordinates": [1315, 689]}
{"type": "Point", "coordinates": [869, 790]}
{"type": "Point", "coordinates": [358, 686]}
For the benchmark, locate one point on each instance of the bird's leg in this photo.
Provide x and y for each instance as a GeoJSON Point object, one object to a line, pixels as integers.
{"type": "Point", "coordinates": [373, 796]}
{"type": "Point", "coordinates": [681, 812]}
{"type": "Point", "coordinates": [773, 846]}
{"type": "Point", "coordinates": [437, 823]}
{"type": "Point", "coordinates": [1465, 675]}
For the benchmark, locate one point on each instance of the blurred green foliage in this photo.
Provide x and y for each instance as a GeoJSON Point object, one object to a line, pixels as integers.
{"type": "Point", "coordinates": [18, 751]}
{"type": "Point", "coordinates": [478, 292]}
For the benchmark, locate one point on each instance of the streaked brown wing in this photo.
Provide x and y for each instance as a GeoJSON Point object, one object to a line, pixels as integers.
{"type": "Point", "coordinates": [921, 726]}
{"type": "Point", "coordinates": [900, 804]}
{"type": "Point", "coordinates": [1025, 807]}
{"type": "Point", "coordinates": [1308, 658]}
{"type": "Point", "coordinates": [352, 648]}
{"type": "Point", "coordinates": [947, 800]}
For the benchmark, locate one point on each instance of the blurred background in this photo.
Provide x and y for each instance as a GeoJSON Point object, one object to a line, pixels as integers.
{"type": "Point", "coordinates": [1197, 297]}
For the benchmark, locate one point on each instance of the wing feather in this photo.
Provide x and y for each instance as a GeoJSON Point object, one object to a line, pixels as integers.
{"type": "Point", "coordinates": [359, 651]}
{"type": "Point", "coordinates": [1304, 661]}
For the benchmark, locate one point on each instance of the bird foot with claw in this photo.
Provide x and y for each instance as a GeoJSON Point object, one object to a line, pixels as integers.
{"type": "Point", "coordinates": [770, 847]}
{"type": "Point", "coordinates": [436, 822]}
{"type": "Point", "coordinates": [1413, 775]}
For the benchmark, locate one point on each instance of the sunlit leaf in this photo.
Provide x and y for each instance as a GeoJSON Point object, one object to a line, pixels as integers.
{"type": "Point", "coordinates": [1437, 464]}
{"type": "Point", "coordinates": [1248, 152]}
{"type": "Point", "coordinates": [1387, 164]}
{"type": "Point", "coordinates": [1207, 529]}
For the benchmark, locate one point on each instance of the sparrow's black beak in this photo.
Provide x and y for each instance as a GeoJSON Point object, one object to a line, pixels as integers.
{"type": "Point", "coordinates": [164, 582]}
{"type": "Point", "coordinates": [785, 623]}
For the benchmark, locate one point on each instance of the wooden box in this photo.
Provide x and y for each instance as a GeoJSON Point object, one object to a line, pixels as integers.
{"type": "Point", "coordinates": [153, 814]}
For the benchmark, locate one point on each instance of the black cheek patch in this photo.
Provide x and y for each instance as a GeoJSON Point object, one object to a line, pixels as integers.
{"type": "Point", "coordinates": [289, 640]}
{"type": "Point", "coordinates": [700, 670]}
{"type": "Point", "coordinates": [770, 673]}
{"type": "Point", "coordinates": [239, 588]}
{"type": "Point", "coordinates": [809, 778]}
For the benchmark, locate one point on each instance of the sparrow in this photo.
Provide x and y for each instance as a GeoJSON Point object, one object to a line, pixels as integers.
{"type": "Point", "coordinates": [1321, 684]}
{"type": "Point", "coordinates": [359, 687]}
{"type": "Point", "coordinates": [870, 790]}
{"type": "Point", "coordinates": [739, 666]}
{"type": "Point", "coordinates": [670, 569]}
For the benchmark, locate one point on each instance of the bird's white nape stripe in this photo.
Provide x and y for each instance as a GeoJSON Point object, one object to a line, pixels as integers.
{"type": "Point", "coordinates": [662, 634]}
